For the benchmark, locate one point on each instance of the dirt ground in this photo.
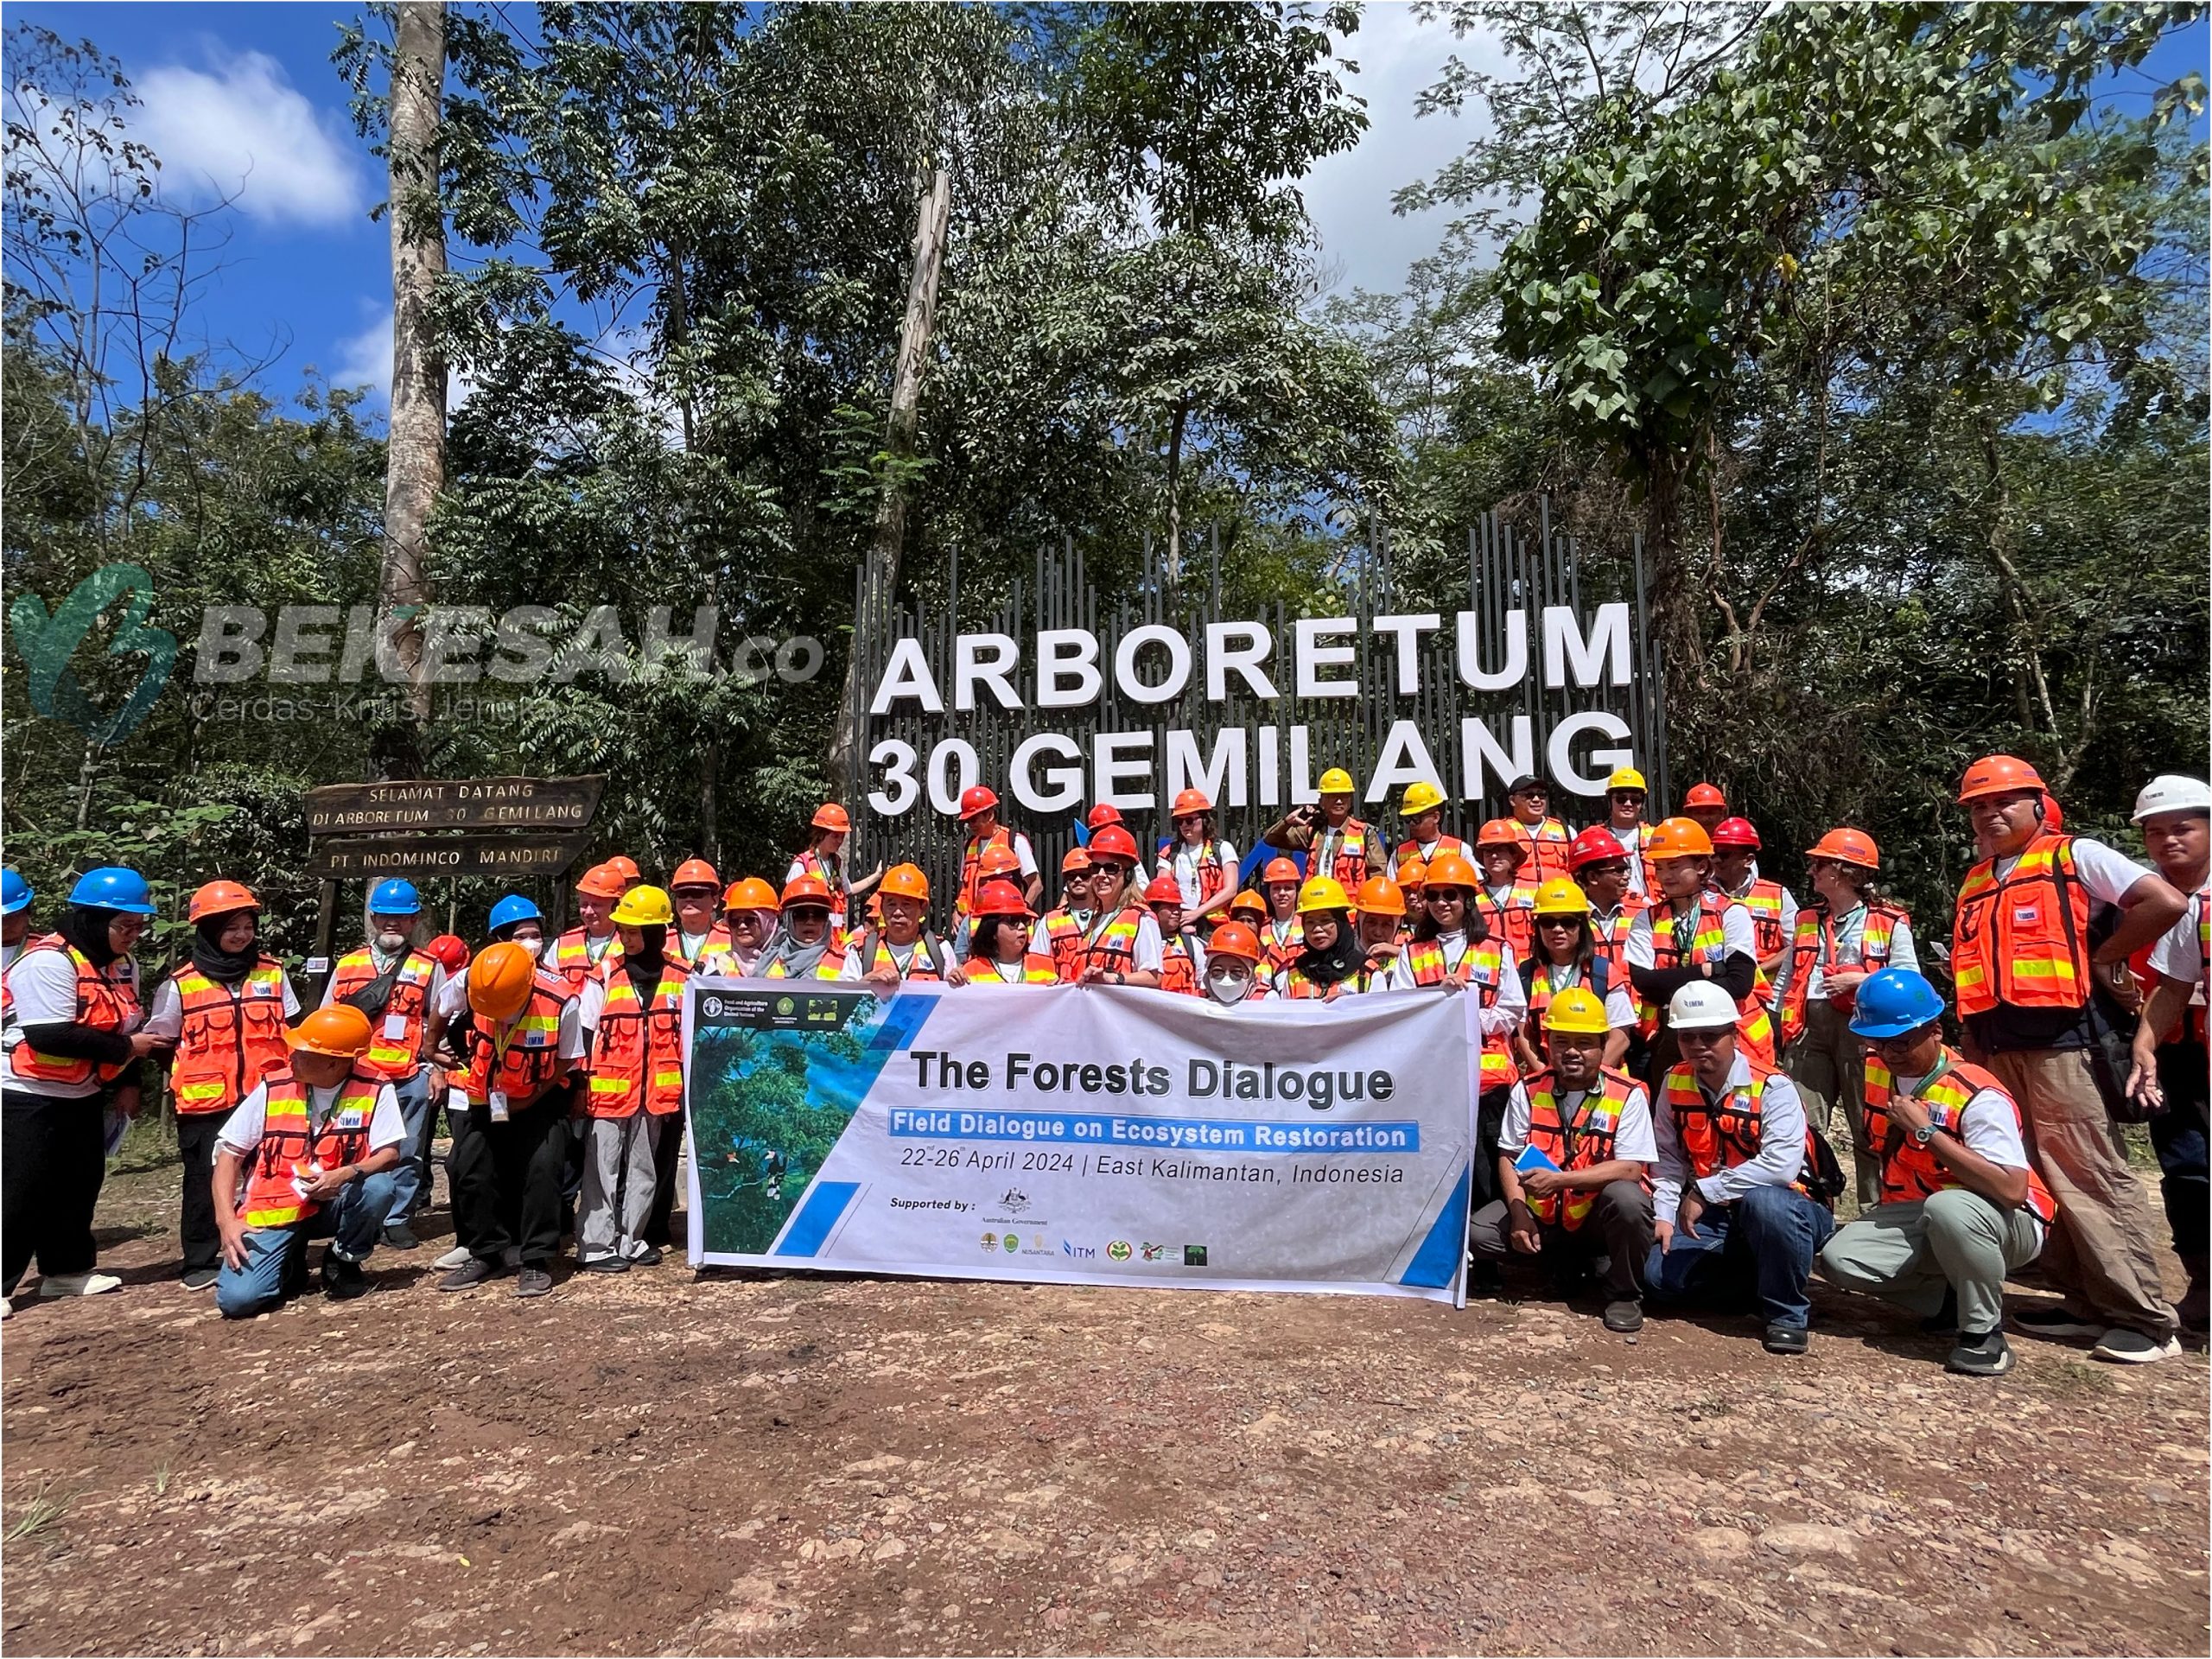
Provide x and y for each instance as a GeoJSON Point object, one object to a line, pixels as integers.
{"type": "Point", "coordinates": [672, 1463]}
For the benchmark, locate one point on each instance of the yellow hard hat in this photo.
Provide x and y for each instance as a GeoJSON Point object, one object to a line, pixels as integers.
{"type": "Point", "coordinates": [1423, 797]}
{"type": "Point", "coordinates": [1628, 777]}
{"type": "Point", "coordinates": [1561, 897]}
{"type": "Point", "coordinates": [1322, 892]}
{"type": "Point", "coordinates": [1335, 781]}
{"type": "Point", "coordinates": [1579, 1010]}
{"type": "Point", "coordinates": [643, 908]}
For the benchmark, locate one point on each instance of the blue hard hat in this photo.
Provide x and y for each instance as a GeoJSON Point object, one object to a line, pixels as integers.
{"type": "Point", "coordinates": [1894, 1001]}
{"type": "Point", "coordinates": [113, 887]}
{"type": "Point", "coordinates": [15, 892]}
{"type": "Point", "coordinates": [395, 898]}
{"type": "Point", "coordinates": [514, 908]}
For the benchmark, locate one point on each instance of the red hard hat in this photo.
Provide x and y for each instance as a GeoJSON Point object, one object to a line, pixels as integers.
{"type": "Point", "coordinates": [977, 798]}
{"type": "Point", "coordinates": [1101, 815]}
{"type": "Point", "coordinates": [1281, 869]}
{"type": "Point", "coordinates": [694, 872]}
{"type": "Point", "coordinates": [1000, 898]}
{"type": "Point", "coordinates": [1997, 774]}
{"type": "Point", "coordinates": [220, 899]}
{"type": "Point", "coordinates": [1190, 802]}
{"type": "Point", "coordinates": [1705, 795]}
{"type": "Point", "coordinates": [1113, 842]}
{"type": "Point", "coordinates": [449, 952]}
{"type": "Point", "coordinates": [1736, 832]}
{"type": "Point", "coordinates": [1163, 889]}
{"type": "Point", "coordinates": [1595, 845]}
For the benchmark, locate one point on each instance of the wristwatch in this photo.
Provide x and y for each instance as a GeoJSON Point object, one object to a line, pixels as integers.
{"type": "Point", "coordinates": [1923, 1134]}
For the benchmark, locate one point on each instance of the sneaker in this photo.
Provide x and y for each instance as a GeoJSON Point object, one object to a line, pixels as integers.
{"type": "Point", "coordinates": [201, 1278]}
{"type": "Point", "coordinates": [2052, 1320]}
{"type": "Point", "coordinates": [398, 1236]}
{"type": "Point", "coordinates": [1944, 1321]}
{"type": "Point", "coordinates": [7, 1307]}
{"type": "Point", "coordinates": [1625, 1317]}
{"type": "Point", "coordinates": [1984, 1354]}
{"type": "Point", "coordinates": [453, 1258]}
{"type": "Point", "coordinates": [534, 1281]}
{"type": "Point", "coordinates": [2126, 1347]}
{"type": "Point", "coordinates": [76, 1284]}
{"type": "Point", "coordinates": [605, 1264]}
{"type": "Point", "coordinates": [511, 1256]}
{"type": "Point", "coordinates": [648, 1257]}
{"type": "Point", "coordinates": [342, 1280]}
{"type": "Point", "coordinates": [1787, 1339]}
{"type": "Point", "coordinates": [469, 1274]}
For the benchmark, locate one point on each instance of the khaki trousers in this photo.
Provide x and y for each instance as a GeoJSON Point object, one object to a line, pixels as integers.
{"type": "Point", "coordinates": [1908, 1254]}
{"type": "Point", "coordinates": [1829, 1062]}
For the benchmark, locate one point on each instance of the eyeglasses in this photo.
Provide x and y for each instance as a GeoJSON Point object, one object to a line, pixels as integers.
{"type": "Point", "coordinates": [1626, 794]}
{"type": "Point", "coordinates": [1568, 922]}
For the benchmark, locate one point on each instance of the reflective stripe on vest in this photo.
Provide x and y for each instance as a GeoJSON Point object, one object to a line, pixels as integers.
{"type": "Point", "coordinates": [1177, 973]}
{"type": "Point", "coordinates": [232, 1037]}
{"type": "Point", "coordinates": [1514, 920]}
{"type": "Point", "coordinates": [1586, 1145]}
{"type": "Point", "coordinates": [292, 1149]}
{"type": "Point", "coordinates": [523, 1056]}
{"type": "Point", "coordinates": [1345, 849]}
{"type": "Point", "coordinates": [971, 866]}
{"type": "Point", "coordinates": [1211, 877]}
{"type": "Point", "coordinates": [2022, 939]}
{"type": "Point", "coordinates": [1410, 857]}
{"type": "Point", "coordinates": [1545, 980]}
{"type": "Point", "coordinates": [572, 957]}
{"type": "Point", "coordinates": [1484, 967]}
{"type": "Point", "coordinates": [1277, 954]}
{"type": "Point", "coordinates": [636, 1053]}
{"type": "Point", "coordinates": [1709, 943]}
{"type": "Point", "coordinates": [1063, 937]}
{"type": "Point", "coordinates": [1910, 1172]}
{"type": "Point", "coordinates": [1113, 945]}
{"type": "Point", "coordinates": [104, 1003]}
{"type": "Point", "coordinates": [1813, 944]}
{"type": "Point", "coordinates": [1718, 1135]}
{"type": "Point", "coordinates": [1036, 969]}
{"type": "Point", "coordinates": [389, 1058]}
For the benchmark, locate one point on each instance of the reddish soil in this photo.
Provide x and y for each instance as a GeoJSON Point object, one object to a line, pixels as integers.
{"type": "Point", "coordinates": [666, 1463]}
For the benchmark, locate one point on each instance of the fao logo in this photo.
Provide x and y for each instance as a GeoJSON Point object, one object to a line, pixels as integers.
{"type": "Point", "coordinates": [711, 1007]}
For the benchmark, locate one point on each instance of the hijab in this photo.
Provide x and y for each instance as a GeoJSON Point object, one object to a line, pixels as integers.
{"type": "Point", "coordinates": [1344, 956]}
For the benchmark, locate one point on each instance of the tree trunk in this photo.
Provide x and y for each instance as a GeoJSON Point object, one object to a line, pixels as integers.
{"type": "Point", "coordinates": [1175, 491]}
{"type": "Point", "coordinates": [415, 452]}
{"type": "Point", "coordinates": [880, 578]}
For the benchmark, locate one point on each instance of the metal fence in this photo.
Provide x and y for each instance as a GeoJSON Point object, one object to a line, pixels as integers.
{"type": "Point", "coordinates": [1507, 571]}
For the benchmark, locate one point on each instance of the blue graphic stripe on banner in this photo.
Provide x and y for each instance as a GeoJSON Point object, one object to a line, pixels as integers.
{"type": "Point", "coordinates": [1438, 1259]}
{"type": "Point", "coordinates": [902, 1019]}
{"type": "Point", "coordinates": [817, 1217]}
{"type": "Point", "coordinates": [1161, 1133]}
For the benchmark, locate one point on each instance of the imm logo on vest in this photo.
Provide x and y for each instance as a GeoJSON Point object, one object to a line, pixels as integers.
{"type": "Point", "coordinates": [1399, 660]}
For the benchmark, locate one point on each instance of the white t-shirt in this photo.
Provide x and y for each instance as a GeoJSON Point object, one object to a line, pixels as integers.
{"type": "Point", "coordinates": [1736, 936]}
{"type": "Point", "coordinates": [1632, 1136]}
{"type": "Point", "coordinates": [42, 985]}
{"type": "Point", "coordinates": [1503, 1015]}
{"type": "Point", "coordinates": [2108, 874]}
{"type": "Point", "coordinates": [1850, 931]}
{"type": "Point", "coordinates": [1632, 842]}
{"type": "Point", "coordinates": [1990, 1125]}
{"type": "Point", "coordinates": [242, 1134]}
{"type": "Point", "coordinates": [1781, 1155]}
{"type": "Point", "coordinates": [1620, 1005]}
{"type": "Point", "coordinates": [1018, 844]}
{"type": "Point", "coordinates": [1183, 861]}
{"type": "Point", "coordinates": [167, 1019]}
{"type": "Point", "coordinates": [2179, 952]}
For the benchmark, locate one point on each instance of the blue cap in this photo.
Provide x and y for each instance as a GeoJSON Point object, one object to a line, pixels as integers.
{"type": "Point", "coordinates": [395, 898]}
{"type": "Point", "coordinates": [113, 887]}
{"type": "Point", "coordinates": [15, 892]}
{"type": "Point", "coordinates": [512, 909]}
{"type": "Point", "coordinates": [1894, 1001]}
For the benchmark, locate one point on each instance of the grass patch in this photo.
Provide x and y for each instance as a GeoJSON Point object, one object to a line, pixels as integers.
{"type": "Point", "coordinates": [2078, 1379]}
{"type": "Point", "coordinates": [42, 1513]}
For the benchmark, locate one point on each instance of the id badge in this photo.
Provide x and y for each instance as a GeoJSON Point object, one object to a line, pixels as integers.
{"type": "Point", "coordinates": [395, 1027]}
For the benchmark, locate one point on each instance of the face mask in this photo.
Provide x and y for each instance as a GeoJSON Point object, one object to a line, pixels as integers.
{"type": "Point", "coordinates": [1228, 988]}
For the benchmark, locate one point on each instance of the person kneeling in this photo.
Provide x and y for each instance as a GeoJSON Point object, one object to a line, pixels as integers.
{"type": "Point", "coordinates": [1961, 1207]}
{"type": "Point", "coordinates": [317, 1141]}
{"type": "Point", "coordinates": [1739, 1175]}
{"type": "Point", "coordinates": [1575, 1157]}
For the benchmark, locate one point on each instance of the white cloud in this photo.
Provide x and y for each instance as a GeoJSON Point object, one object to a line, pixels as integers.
{"type": "Point", "coordinates": [1364, 242]}
{"type": "Point", "coordinates": [245, 127]}
{"type": "Point", "coordinates": [365, 358]}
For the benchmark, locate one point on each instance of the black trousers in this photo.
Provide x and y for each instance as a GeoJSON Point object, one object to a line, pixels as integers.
{"type": "Point", "coordinates": [2179, 1136]}
{"type": "Point", "coordinates": [195, 1144]}
{"type": "Point", "coordinates": [1617, 1227]}
{"type": "Point", "coordinates": [668, 1148]}
{"type": "Point", "coordinates": [461, 1127]}
{"type": "Point", "coordinates": [1490, 1121]}
{"type": "Point", "coordinates": [52, 1159]}
{"type": "Point", "coordinates": [507, 1181]}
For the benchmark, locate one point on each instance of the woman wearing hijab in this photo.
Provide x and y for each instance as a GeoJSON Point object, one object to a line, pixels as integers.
{"type": "Point", "coordinates": [1331, 951]}
{"type": "Point", "coordinates": [227, 1011]}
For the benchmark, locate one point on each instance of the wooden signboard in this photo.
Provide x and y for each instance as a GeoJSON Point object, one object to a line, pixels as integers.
{"type": "Point", "coordinates": [409, 805]}
{"type": "Point", "coordinates": [511, 853]}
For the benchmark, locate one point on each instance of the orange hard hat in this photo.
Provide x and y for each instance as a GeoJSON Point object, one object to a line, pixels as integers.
{"type": "Point", "coordinates": [340, 1031]}
{"type": "Point", "coordinates": [1002, 899]}
{"type": "Point", "coordinates": [1163, 889]}
{"type": "Point", "coordinates": [1246, 900]}
{"type": "Point", "coordinates": [1380, 896]}
{"type": "Point", "coordinates": [1847, 845]}
{"type": "Point", "coordinates": [1190, 802]}
{"type": "Point", "coordinates": [1279, 869]}
{"type": "Point", "coordinates": [626, 867]}
{"type": "Point", "coordinates": [601, 881]}
{"type": "Point", "coordinates": [1736, 832]}
{"type": "Point", "coordinates": [830, 815]}
{"type": "Point", "coordinates": [220, 899]}
{"type": "Point", "coordinates": [750, 894]}
{"type": "Point", "coordinates": [1101, 816]}
{"type": "Point", "coordinates": [1235, 939]}
{"type": "Point", "coordinates": [694, 872]}
{"type": "Point", "coordinates": [976, 798]}
{"type": "Point", "coordinates": [1113, 842]}
{"type": "Point", "coordinates": [1414, 877]}
{"type": "Point", "coordinates": [1678, 838]}
{"type": "Point", "coordinates": [804, 890]}
{"type": "Point", "coordinates": [1997, 774]}
{"type": "Point", "coordinates": [1499, 832]}
{"type": "Point", "coordinates": [1075, 859]}
{"type": "Point", "coordinates": [998, 861]}
{"type": "Point", "coordinates": [499, 980]}
{"type": "Point", "coordinates": [1705, 795]}
{"type": "Point", "coordinates": [449, 951]}
{"type": "Point", "coordinates": [1450, 870]}
{"type": "Point", "coordinates": [904, 882]}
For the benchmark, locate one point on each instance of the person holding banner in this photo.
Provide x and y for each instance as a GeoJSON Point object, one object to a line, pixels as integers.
{"type": "Point", "coordinates": [823, 858]}
{"type": "Point", "coordinates": [1574, 1156]}
{"type": "Point", "coordinates": [1507, 899]}
{"type": "Point", "coordinates": [1233, 976]}
{"type": "Point", "coordinates": [1738, 1168]}
{"type": "Point", "coordinates": [1001, 954]}
{"type": "Point", "coordinates": [1331, 954]}
{"type": "Point", "coordinates": [903, 947]}
{"type": "Point", "coordinates": [1380, 910]}
{"type": "Point", "coordinates": [1283, 935]}
{"type": "Point", "coordinates": [1422, 812]}
{"type": "Point", "coordinates": [1063, 925]}
{"type": "Point", "coordinates": [1565, 959]}
{"type": "Point", "coordinates": [1336, 843]}
{"type": "Point", "coordinates": [1121, 943]}
{"type": "Point", "coordinates": [805, 939]}
{"type": "Point", "coordinates": [1182, 956]}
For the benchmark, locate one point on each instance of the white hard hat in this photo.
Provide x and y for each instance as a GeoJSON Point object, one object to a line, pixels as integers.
{"type": "Point", "coordinates": [2171, 792]}
{"type": "Point", "coordinates": [1701, 1006]}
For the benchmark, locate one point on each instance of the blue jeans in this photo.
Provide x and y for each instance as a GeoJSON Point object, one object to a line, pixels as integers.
{"type": "Point", "coordinates": [2177, 1136]}
{"type": "Point", "coordinates": [276, 1255]}
{"type": "Point", "coordinates": [414, 1111]}
{"type": "Point", "coordinates": [1761, 1245]}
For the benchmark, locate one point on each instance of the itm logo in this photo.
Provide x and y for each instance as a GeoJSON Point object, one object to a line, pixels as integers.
{"type": "Point", "coordinates": [47, 643]}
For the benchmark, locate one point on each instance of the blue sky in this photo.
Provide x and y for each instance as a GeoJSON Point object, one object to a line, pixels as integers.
{"type": "Point", "coordinates": [246, 96]}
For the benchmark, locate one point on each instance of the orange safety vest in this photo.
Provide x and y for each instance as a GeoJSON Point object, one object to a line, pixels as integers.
{"type": "Point", "coordinates": [232, 1037]}
{"type": "Point", "coordinates": [105, 1001]}
{"type": "Point", "coordinates": [1708, 942]}
{"type": "Point", "coordinates": [2022, 939]}
{"type": "Point", "coordinates": [1347, 853]}
{"type": "Point", "coordinates": [636, 1053]}
{"type": "Point", "coordinates": [1515, 921]}
{"type": "Point", "coordinates": [1537, 979]}
{"type": "Point", "coordinates": [1063, 938]}
{"type": "Point", "coordinates": [1212, 876]}
{"type": "Point", "coordinates": [921, 966]}
{"type": "Point", "coordinates": [1717, 1135]}
{"type": "Point", "coordinates": [1813, 943]}
{"type": "Point", "coordinates": [1035, 971]}
{"type": "Point", "coordinates": [1294, 986]}
{"type": "Point", "coordinates": [1112, 944]}
{"type": "Point", "coordinates": [393, 1058]}
{"type": "Point", "coordinates": [971, 870]}
{"type": "Point", "coordinates": [523, 1059]}
{"type": "Point", "coordinates": [1410, 856]}
{"type": "Point", "coordinates": [1275, 955]}
{"type": "Point", "coordinates": [292, 1149]}
{"type": "Point", "coordinates": [811, 863]}
{"type": "Point", "coordinates": [1584, 1144]}
{"type": "Point", "coordinates": [1610, 935]}
{"type": "Point", "coordinates": [572, 958]}
{"type": "Point", "coordinates": [1484, 964]}
{"type": "Point", "coordinates": [716, 942]}
{"type": "Point", "coordinates": [1546, 844]}
{"type": "Point", "coordinates": [1177, 972]}
{"type": "Point", "coordinates": [1911, 1172]}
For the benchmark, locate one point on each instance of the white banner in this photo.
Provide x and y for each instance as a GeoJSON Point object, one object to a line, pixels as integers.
{"type": "Point", "coordinates": [1081, 1136]}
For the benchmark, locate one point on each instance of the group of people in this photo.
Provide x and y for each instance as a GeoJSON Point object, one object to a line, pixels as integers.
{"type": "Point", "coordinates": [1665, 1030]}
